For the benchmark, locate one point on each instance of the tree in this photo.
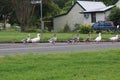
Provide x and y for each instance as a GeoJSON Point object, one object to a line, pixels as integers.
{"type": "Point", "coordinates": [60, 3]}
{"type": "Point", "coordinates": [50, 8]}
{"type": "Point", "coordinates": [115, 16]}
{"type": "Point", "coordinates": [5, 7]}
{"type": "Point", "coordinates": [24, 10]}
{"type": "Point", "coordinates": [108, 2]}
{"type": "Point", "coordinates": [64, 5]}
{"type": "Point", "coordinates": [5, 11]}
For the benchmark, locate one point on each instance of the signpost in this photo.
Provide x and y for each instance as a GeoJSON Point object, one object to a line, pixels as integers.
{"type": "Point", "coordinates": [39, 2]}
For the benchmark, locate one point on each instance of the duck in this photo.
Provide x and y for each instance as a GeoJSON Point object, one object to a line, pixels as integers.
{"type": "Point", "coordinates": [88, 39]}
{"type": "Point", "coordinates": [115, 38]}
{"type": "Point", "coordinates": [71, 40]}
{"type": "Point", "coordinates": [26, 40]}
{"type": "Point", "coordinates": [37, 39]}
{"type": "Point", "coordinates": [53, 39]}
{"type": "Point", "coordinates": [77, 39]}
{"type": "Point", "coordinates": [117, 26]}
{"type": "Point", "coordinates": [99, 38]}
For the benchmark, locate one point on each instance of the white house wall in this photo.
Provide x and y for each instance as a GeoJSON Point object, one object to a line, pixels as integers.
{"type": "Point", "coordinates": [72, 18]}
{"type": "Point", "coordinates": [59, 23]}
{"type": "Point", "coordinates": [107, 13]}
{"type": "Point", "coordinates": [100, 17]}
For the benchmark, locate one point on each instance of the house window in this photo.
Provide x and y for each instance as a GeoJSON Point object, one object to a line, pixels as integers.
{"type": "Point", "coordinates": [93, 17]}
{"type": "Point", "coordinates": [86, 15]}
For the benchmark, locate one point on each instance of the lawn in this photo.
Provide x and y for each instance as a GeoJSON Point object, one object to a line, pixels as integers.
{"type": "Point", "coordinates": [17, 36]}
{"type": "Point", "coordinates": [92, 65]}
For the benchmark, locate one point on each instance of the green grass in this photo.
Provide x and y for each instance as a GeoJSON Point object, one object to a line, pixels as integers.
{"type": "Point", "coordinates": [93, 65]}
{"type": "Point", "coordinates": [17, 36]}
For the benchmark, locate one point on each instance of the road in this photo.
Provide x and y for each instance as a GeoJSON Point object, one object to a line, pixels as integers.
{"type": "Point", "coordinates": [19, 48]}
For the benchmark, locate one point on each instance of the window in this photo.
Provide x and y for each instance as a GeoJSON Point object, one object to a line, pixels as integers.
{"type": "Point", "coordinates": [86, 15]}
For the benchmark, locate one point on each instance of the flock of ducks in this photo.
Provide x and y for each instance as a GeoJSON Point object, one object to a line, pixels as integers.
{"type": "Point", "coordinates": [69, 41]}
{"type": "Point", "coordinates": [37, 39]}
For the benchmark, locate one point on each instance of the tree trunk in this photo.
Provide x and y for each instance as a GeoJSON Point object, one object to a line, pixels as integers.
{"type": "Point", "coordinates": [22, 28]}
{"type": "Point", "coordinates": [23, 9]}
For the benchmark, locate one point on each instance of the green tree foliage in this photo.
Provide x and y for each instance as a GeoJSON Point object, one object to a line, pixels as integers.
{"type": "Point", "coordinates": [108, 2]}
{"type": "Point", "coordinates": [115, 16]}
{"type": "Point", "coordinates": [5, 11]}
{"type": "Point", "coordinates": [68, 5]}
{"type": "Point", "coordinates": [50, 8]}
{"type": "Point", "coordinates": [5, 7]}
{"type": "Point", "coordinates": [60, 3]}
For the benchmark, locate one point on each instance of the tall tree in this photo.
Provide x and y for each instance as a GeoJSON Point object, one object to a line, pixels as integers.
{"type": "Point", "coordinates": [5, 11]}
{"type": "Point", "coordinates": [108, 2]}
{"type": "Point", "coordinates": [60, 3]}
{"type": "Point", "coordinates": [5, 7]}
{"type": "Point", "coordinates": [23, 10]}
{"type": "Point", "coordinates": [50, 8]}
{"type": "Point", "coordinates": [115, 16]}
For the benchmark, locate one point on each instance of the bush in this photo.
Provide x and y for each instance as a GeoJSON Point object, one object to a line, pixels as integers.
{"type": "Point", "coordinates": [85, 29]}
{"type": "Point", "coordinates": [66, 28]}
{"type": "Point", "coordinates": [32, 29]}
{"type": "Point", "coordinates": [61, 31]}
{"type": "Point", "coordinates": [77, 27]}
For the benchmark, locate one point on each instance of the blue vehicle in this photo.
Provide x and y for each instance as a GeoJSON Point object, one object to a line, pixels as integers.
{"type": "Point", "coordinates": [104, 25]}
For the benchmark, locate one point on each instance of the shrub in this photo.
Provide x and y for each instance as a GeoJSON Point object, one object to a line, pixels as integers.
{"type": "Point", "coordinates": [85, 29]}
{"type": "Point", "coordinates": [66, 28]}
{"type": "Point", "coordinates": [32, 29]}
{"type": "Point", "coordinates": [77, 27]}
{"type": "Point", "coordinates": [61, 31]}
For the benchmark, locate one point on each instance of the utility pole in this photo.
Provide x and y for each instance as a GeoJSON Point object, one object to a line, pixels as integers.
{"type": "Point", "coordinates": [42, 26]}
{"type": "Point", "coordinates": [41, 19]}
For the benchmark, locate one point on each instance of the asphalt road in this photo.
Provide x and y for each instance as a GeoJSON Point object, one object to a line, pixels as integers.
{"type": "Point", "coordinates": [19, 48]}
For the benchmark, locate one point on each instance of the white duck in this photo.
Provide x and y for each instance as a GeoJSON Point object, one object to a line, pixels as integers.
{"type": "Point", "coordinates": [53, 39]}
{"type": "Point", "coordinates": [37, 39]}
{"type": "Point", "coordinates": [98, 39]}
{"type": "Point", "coordinates": [26, 40]}
{"type": "Point", "coordinates": [114, 38]}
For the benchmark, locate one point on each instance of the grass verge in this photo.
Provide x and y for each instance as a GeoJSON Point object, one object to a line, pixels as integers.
{"type": "Point", "coordinates": [93, 65]}
{"type": "Point", "coordinates": [16, 36]}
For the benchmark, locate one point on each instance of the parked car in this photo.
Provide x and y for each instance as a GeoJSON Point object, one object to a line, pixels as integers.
{"type": "Point", "coordinates": [104, 25]}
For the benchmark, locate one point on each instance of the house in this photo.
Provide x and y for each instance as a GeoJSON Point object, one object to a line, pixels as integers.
{"type": "Point", "coordinates": [82, 12]}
